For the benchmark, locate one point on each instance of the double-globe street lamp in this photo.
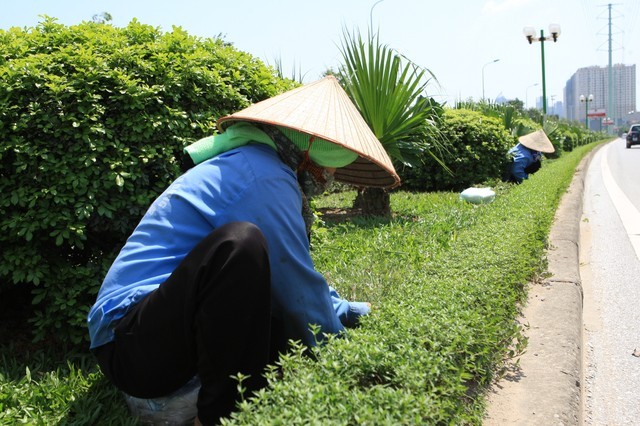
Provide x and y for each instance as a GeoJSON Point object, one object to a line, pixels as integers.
{"type": "Point", "coordinates": [530, 34]}
{"type": "Point", "coordinates": [586, 100]}
{"type": "Point", "coordinates": [488, 63]}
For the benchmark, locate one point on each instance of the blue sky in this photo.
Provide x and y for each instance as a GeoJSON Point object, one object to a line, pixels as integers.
{"type": "Point", "coordinates": [455, 39]}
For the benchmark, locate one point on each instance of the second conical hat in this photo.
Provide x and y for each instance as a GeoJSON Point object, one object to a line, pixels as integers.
{"type": "Point", "coordinates": [323, 109]}
{"type": "Point", "coordinates": [538, 141]}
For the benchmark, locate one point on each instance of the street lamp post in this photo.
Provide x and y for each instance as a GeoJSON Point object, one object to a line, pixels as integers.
{"type": "Point", "coordinates": [530, 34]}
{"type": "Point", "coordinates": [526, 95]}
{"type": "Point", "coordinates": [371, 14]}
{"type": "Point", "coordinates": [488, 63]}
{"type": "Point", "coordinates": [586, 100]}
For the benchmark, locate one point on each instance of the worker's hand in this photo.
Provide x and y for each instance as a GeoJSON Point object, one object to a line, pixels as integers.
{"type": "Point", "coordinates": [361, 308]}
{"type": "Point", "coordinates": [356, 310]}
{"type": "Point", "coordinates": [349, 313]}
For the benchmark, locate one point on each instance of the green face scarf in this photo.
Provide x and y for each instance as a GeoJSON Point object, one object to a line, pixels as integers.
{"type": "Point", "coordinates": [321, 152]}
{"type": "Point", "coordinates": [291, 147]}
{"type": "Point", "coordinates": [236, 136]}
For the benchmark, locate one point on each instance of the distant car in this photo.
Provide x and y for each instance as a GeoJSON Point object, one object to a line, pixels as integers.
{"type": "Point", "coordinates": [633, 135]}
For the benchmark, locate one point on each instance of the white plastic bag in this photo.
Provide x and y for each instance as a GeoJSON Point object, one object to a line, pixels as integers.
{"type": "Point", "coordinates": [478, 195]}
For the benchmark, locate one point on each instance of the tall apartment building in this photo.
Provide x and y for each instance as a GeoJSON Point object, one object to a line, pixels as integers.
{"type": "Point", "coordinates": [595, 81]}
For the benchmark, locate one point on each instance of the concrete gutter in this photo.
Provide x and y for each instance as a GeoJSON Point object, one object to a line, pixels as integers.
{"type": "Point", "coordinates": [545, 388]}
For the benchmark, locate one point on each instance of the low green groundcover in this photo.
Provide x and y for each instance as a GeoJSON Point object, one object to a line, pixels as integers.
{"type": "Point", "coordinates": [445, 278]}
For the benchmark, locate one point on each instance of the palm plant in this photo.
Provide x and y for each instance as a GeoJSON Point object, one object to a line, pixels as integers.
{"type": "Point", "coordinates": [296, 73]}
{"type": "Point", "coordinates": [390, 92]}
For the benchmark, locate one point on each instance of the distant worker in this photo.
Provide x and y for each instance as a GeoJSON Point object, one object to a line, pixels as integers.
{"type": "Point", "coordinates": [527, 155]}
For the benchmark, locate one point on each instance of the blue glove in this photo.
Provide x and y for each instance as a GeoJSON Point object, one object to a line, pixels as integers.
{"type": "Point", "coordinates": [349, 313]}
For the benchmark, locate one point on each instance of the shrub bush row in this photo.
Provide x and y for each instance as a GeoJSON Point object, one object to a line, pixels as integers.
{"type": "Point", "coordinates": [445, 278]}
{"type": "Point", "coordinates": [92, 121]}
{"type": "Point", "coordinates": [478, 136]}
{"type": "Point", "coordinates": [477, 151]}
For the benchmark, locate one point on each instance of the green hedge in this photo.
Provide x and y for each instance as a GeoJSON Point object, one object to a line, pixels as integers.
{"type": "Point", "coordinates": [570, 137]}
{"type": "Point", "coordinates": [477, 152]}
{"type": "Point", "coordinates": [446, 279]}
{"type": "Point", "coordinates": [92, 119]}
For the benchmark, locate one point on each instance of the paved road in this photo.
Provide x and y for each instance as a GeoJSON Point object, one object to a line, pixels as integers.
{"type": "Point", "coordinates": [610, 273]}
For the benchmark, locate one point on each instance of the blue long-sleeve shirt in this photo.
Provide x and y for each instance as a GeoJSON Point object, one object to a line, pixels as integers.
{"type": "Point", "coordinates": [523, 157]}
{"type": "Point", "coordinates": [250, 184]}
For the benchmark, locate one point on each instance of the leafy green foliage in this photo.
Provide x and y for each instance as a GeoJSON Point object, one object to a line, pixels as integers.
{"type": "Point", "coordinates": [390, 92]}
{"type": "Point", "coordinates": [92, 121]}
{"type": "Point", "coordinates": [445, 278]}
{"type": "Point", "coordinates": [477, 152]}
{"type": "Point", "coordinates": [39, 392]}
{"type": "Point", "coordinates": [563, 134]}
{"type": "Point", "coordinates": [570, 137]}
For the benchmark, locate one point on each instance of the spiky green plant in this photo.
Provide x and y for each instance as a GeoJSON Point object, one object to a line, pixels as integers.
{"type": "Point", "coordinates": [389, 90]}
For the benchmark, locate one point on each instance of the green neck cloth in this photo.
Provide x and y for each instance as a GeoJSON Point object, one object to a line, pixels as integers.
{"type": "Point", "coordinates": [321, 152]}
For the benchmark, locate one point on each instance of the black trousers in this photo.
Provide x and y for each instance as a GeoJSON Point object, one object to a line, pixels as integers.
{"type": "Point", "coordinates": [211, 317]}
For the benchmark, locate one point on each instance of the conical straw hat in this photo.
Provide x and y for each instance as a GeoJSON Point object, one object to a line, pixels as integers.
{"type": "Point", "coordinates": [538, 141]}
{"type": "Point", "coordinates": [323, 109]}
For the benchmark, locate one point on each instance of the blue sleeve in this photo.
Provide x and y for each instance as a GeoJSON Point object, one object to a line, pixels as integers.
{"type": "Point", "coordinates": [246, 184]}
{"type": "Point", "coordinates": [349, 313]}
{"type": "Point", "coordinates": [300, 294]}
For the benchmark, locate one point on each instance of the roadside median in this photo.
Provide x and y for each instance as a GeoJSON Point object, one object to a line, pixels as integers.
{"type": "Point", "coordinates": [545, 388]}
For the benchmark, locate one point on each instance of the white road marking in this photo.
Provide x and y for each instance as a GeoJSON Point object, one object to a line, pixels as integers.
{"type": "Point", "coordinates": [629, 215]}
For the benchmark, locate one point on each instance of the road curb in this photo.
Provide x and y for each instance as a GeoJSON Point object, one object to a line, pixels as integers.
{"type": "Point", "coordinates": [546, 387]}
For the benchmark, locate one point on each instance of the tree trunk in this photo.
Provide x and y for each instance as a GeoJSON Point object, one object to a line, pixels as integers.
{"type": "Point", "coordinates": [373, 202]}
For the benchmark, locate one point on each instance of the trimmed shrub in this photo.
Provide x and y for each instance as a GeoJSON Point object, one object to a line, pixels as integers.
{"type": "Point", "coordinates": [446, 279]}
{"type": "Point", "coordinates": [477, 152]}
{"type": "Point", "coordinates": [570, 137]}
{"type": "Point", "coordinates": [92, 121]}
{"type": "Point", "coordinates": [569, 140]}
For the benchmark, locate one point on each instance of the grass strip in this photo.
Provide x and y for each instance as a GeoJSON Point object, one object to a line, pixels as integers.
{"type": "Point", "coordinates": [446, 279]}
